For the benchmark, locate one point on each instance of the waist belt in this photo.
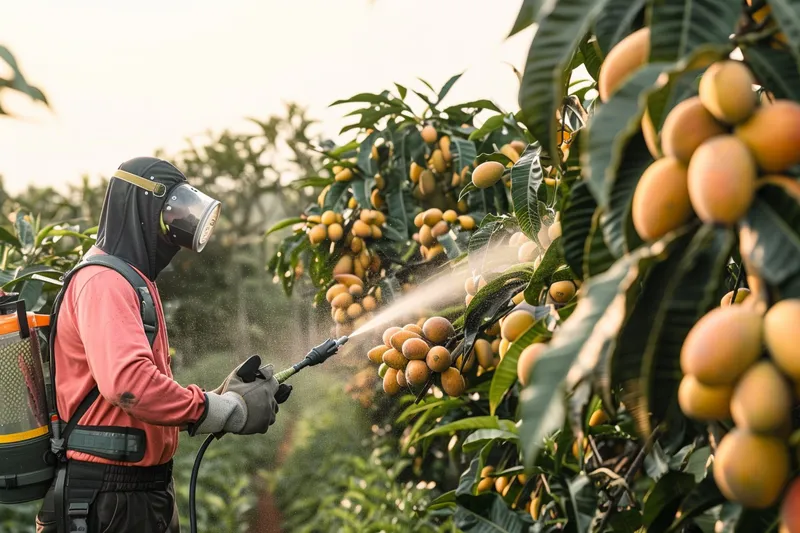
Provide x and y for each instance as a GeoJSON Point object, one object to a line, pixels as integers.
{"type": "Point", "coordinates": [122, 444]}
{"type": "Point", "coordinates": [78, 483]}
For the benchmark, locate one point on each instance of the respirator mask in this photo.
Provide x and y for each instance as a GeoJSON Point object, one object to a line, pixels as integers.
{"type": "Point", "coordinates": [188, 217]}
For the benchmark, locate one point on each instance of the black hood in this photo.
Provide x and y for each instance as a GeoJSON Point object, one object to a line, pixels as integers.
{"type": "Point", "coordinates": [130, 220]}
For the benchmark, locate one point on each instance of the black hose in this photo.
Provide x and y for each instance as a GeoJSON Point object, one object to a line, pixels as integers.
{"type": "Point", "coordinates": [193, 483]}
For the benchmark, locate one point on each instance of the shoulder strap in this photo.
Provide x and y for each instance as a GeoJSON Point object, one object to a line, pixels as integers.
{"type": "Point", "coordinates": [149, 319]}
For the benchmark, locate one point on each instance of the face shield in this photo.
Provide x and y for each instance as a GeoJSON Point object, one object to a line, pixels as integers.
{"type": "Point", "coordinates": [188, 217]}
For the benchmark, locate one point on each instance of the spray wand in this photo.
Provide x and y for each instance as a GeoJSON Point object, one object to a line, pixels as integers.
{"type": "Point", "coordinates": [249, 372]}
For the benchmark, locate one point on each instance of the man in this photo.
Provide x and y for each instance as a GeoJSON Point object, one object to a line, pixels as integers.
{"type": "Point", "coordinates": [121, 411]}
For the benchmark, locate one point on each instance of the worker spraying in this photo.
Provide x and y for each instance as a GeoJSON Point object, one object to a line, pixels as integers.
{"type": "Point", "coordinates": [116, 411]}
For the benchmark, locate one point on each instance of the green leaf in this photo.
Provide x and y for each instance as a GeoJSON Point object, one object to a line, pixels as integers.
{"type": "Point", "coordinates": [475, 422]}
{"type": "Point", "coordinates": [544, 80]}
{"type": "Point", "coordinates": [448, 499]}
{"type": "Point", "coordinates": [491, 124]}
{"type": "Point", "coordinates": [703, 497]}
{"type": "Point", "coordinates": [592, 58]}
{"type": "Point", "coordinates": [368, 98]}
{"type": "Point", "coordinates": [616, 22]}
{"type": "Point", "coordinates": [576, 223]}
{"type": "Point", "coordinates": [579, 341]}
{"type": "Point", "coordinates": [464, 153]}
{"type": "Point", "coordinates": [774, 69]}
{"type": "Point", "coordinates": [361, 191]}
{"type": "Point", "coordinates": [663, 500]}
{"type": "Point", "coordinates": [31, 292]}
{"type": "Point", "coordinates": [18, 81]}
{"type": "Point", "coordinates": [597, 258]}
{"type": "Point", "coordinates": [401, 90]}
{"type": "Point", "coordinates": [679, 27]}
{"type": "Point", "coordinates": [6, 237]}
{"type": "Point", "coordinates": [552, 260]}
{"type": "Point", "coordinates": [527, 15]}
{"type": "Point", "coordinates": [787, 14]}
{"type": "Point", "coordinates": [365, 155]}
{"type": "Point", "coordinates": [488, 513]}
{"type": "Point", "coordinates": [617, 220]}
{"type": "Point", "coordinates": [483, 240]}
{"type": "Point", "coordinates": [583, 501]}
{"type": "Point", "coordinates": [526, 178]}
{"type": "Point", "coordinates": [283, 224]}
{"type": "Point", "coordinates": [334, 195]}
{"type": "Point", "coordinates": [24, 231]}
{"type": "Point", "coordinates": [734, 518]}
{"type": "Point", "coordinates": [505, 375]}
{"type": "Point", "coordinates": [479, 439]}
{"type": "Point", "coordinates": [612, 127]}
{"type": "Point", "coordinates": [475, 105]}
{"type": "Point", "coordinates": [311, 181]}
{"type": "Point", "coordinates": [447, 86]}
{"type": "Point", "coordinates": [770, 233]}
{"type": "Point", "coordinates": [678, 292]}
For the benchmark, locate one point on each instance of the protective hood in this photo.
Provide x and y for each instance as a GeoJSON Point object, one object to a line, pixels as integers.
{"type": "Point", "coordinates": [130, 219]}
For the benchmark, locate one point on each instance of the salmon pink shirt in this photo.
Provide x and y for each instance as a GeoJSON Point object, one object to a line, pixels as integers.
{"type": "Point", "coordinates": [101, 341]}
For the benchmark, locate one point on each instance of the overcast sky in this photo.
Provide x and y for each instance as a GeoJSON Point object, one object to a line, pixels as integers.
{"type": "Point", "coordinates": [126, 78]}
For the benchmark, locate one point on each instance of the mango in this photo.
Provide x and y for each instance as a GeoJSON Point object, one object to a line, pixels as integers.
{"type": "Point", "coordinates": [754, 409]}
{"type": "Point", "coordinates": [721, 179]}
{"type": "Point", "coordinates": [417, 373]}
{"type": "Point", "coordinates": [661, 199]}
{"type": "Point", "coordinates": [687, 126]}
{"type": "Point", "coordinates": [390, 384]}
{"type": "Point", "coordinates": [453, 382]}
{"type": "Point", "coordinates": [487, 174]}
{"type": "Point", "coordinates": [527, 358]}
{"type": "Point", "coordinates": [515, 324]}
{"type": "Point", "coordinates": [622, 60]}
{"type": "Point", "coordinates": [726, 90]}
{"type": "Point", "coordinates": [722, 345]}
{"type": "Point", "coordinates": [438, 329]}
{"type": "Point", "coordinates": [429, 134]}
{"type": "Point", "coordinates": [773, 136]}
{"type": "Point", "coordinates": [780, 335]}
{"type": "Point", "coordinates": [704, 402]}
{"type": "Point", "coordinates": [751, 469]}
{"type": "Point", "coordinates": [438, 359]}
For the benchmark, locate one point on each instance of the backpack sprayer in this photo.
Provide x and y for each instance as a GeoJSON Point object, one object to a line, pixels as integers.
{"type": "Point", "coordinates": [249, 372]}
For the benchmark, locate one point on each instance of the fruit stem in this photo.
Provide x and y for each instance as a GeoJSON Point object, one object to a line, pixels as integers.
{"type": "Point", "coordinates": [738, 281]}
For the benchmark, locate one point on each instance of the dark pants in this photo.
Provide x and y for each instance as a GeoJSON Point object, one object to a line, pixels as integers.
{"type": "Point", "coordinates": [120, 508]}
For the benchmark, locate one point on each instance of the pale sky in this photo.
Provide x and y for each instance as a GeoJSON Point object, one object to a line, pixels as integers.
{"type": "Point", "coordinates": [126, 78]}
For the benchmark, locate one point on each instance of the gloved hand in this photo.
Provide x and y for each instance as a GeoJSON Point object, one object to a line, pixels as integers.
{"type": "Point", "coordinates": [245, 403]}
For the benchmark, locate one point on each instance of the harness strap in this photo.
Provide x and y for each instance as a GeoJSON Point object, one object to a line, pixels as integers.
{"type": "Point", "coordinates": [73, 497]}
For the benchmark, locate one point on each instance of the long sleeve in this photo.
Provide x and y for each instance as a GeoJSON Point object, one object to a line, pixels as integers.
{"type": "Point", "coordinates": [121, 360]}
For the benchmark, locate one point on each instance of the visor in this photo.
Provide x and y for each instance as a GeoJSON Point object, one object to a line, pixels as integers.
{"type": "Point", "coordinates": [188, 216]}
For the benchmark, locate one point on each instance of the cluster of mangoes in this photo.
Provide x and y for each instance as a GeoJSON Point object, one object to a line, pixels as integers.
{"type": "Point", "coordinates": [439, 173]}
{"type": "Point", "coordinates": [351, 305]}
{"type": "Point", "coordinates": [528, 250]}
{"type": "Point", "coordinates": [728, 375]}
{"type": "Point", "coordinates": [715, 146]}
{"type": "Point", "coordinates": [434, 224]}
{"type": "Point", "coordinates": [411, 354]}
{"type": "Point", "coordinates": [502, 485]}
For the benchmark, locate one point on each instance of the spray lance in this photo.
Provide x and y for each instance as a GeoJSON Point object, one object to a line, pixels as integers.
{"type": "Point", "coordinates": [249, 372]}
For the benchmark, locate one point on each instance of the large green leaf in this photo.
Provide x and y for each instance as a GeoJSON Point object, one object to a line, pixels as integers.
{"type": "Point", "coordinates": [735, 518]}
{"type": "Point", "coordinates": [285, 223]}
{"type": "Point", "coordinates": [787, 15]}
{"type": "Point", "coordinates": [334, 195]}
{"type": "Point", "coordinates": [447, 86]}
{"type": "Point", "coordinates": [776, 70]}
{"type": "Point", "coordinates": [664, 499]}
{"type": "Point", "coordinates": [18, 82]}
{"type": "Point", "coordinates": [598, 315]}
{"type": "Point", "coordinates": [617, 222]}
{"type": "Point", "coordinates": [527, 15]}
{"type": "Point", "coordinates": [488, 513]}
{"type": "Point", "coordinates": [597, 258]}
{"type": "Point", "coordinates": [6, 237]}
{"type": "Point", "coordinates": [491, 233]}
{"type": "Point", "coordinates": [703, 497]}
{"type": "Point", "coordinates": [464, 153]}
{"type": "Point", "coordinates": [678, 291]}
{"type": "Point", "coordinates": [770, 233]}
{"type": "Point", "coordinates": [25, 233]}
{"type": "Point", "coordinates": [616, 22]}
{"type": "Point", "coordinates": [491, 124]}
{"type": "Point", "coordinates": [505, 375]}
{"type": "Point", "coordinates": [612, 127]}
{"type": "Point", "coordinates": [552, 260]}
{"type": "Point", "coordinates": [576, 223]}
{"type": "Point", "coordinates": [475, 422]}
{"type": "Point", "coordinates": [479, 439]}
{"type": "Point", "coordinates": [493, 297]}
{"type": "Point", "coordinates": [679, 27]}
{"type": "Point", "coordinates": [544, 80]}
{"type": "Point", "coordinates": [526, 178]}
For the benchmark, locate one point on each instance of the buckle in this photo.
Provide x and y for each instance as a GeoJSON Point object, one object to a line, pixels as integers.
{"type": "Point", "coordinates": [78, 512]}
